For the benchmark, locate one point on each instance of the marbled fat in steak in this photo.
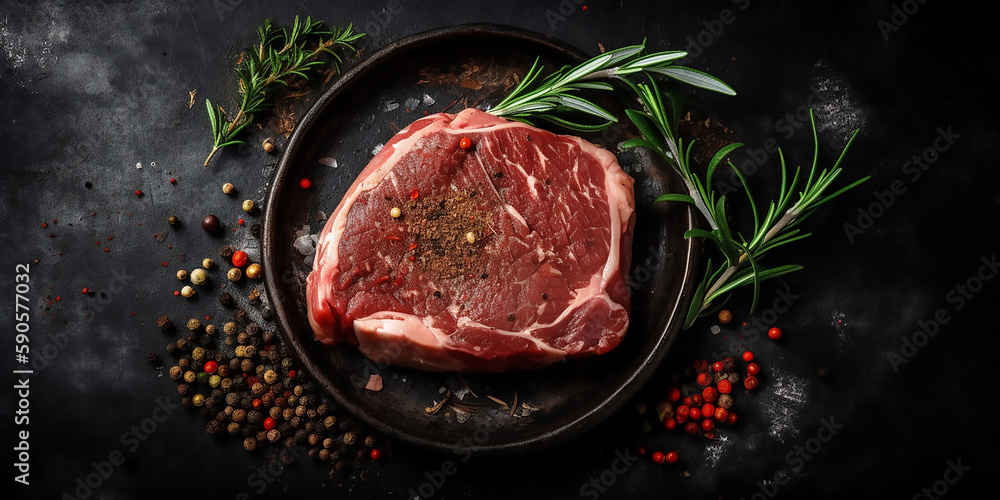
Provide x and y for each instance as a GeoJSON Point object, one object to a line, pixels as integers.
{"type": "Point", "coordinates": [511, 254]}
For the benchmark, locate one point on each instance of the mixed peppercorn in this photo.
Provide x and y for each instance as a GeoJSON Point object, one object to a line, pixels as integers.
{"type": "Point", "coordinates": [241, 378]}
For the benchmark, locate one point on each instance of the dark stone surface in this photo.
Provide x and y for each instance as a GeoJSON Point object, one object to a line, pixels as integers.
{"type": "Point", "coordinates": [93, 91]}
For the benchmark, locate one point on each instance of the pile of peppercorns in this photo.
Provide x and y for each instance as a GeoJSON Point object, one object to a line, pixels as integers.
{"type": "Point", "coordinates": [708, 402]}
{"type": "Point", "coordinates": [700, 407]}
{"type": "Point", "coordinates": [242, 379]}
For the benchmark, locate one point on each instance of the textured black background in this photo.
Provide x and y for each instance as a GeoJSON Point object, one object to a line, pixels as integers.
{"type": "Point", "coordinates": [90, 90]}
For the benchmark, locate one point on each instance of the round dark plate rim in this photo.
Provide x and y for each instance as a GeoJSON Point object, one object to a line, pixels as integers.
{"type": "Point", "coordinates": [586, 419]}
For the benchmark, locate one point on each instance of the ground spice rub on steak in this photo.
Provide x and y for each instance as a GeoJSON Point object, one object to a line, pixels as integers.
{"type": "Point", "coordinates": [509, 254]}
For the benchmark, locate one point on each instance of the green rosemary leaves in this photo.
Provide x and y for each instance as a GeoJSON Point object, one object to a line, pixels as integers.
{"type": "Point", "coordinates": [266, 69]}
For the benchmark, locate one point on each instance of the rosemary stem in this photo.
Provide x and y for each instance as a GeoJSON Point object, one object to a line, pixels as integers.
{"type": "Point", "coordinates": [699, 203]}
{"type": "Point", "coordinates": [210, 155]}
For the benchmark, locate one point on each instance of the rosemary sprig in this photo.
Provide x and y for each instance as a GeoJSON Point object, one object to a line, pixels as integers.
{"type": "Point", "coordinates": [657, 120]}
{"type": "Point", "coordinates": [658, 123]}
{"type": "Point", "coordinates": [280, 57]}
{"type": "Point", "coordinates": [555, 95]}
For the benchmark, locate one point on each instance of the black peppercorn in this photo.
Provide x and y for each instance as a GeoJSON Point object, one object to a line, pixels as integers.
{"type": "Point", "coordinates": [226, 299]}
{"type": "Point", "coordinates": [211, 224]}
{"type": "Point", "coordinates": [213, 427]}
{"type": "Point", "coordinates": [250, 444]}
{"type": "Point", "coordinates": [164, 323]}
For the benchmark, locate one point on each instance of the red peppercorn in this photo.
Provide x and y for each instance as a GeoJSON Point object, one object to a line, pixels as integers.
{"type": "Point", "coordinates": [695, 413]}
{"type": "Point", "coordinates": [704, 379]}
{"type": "Point", "coordinates": [681, 419]}
{"type": "Point", "coordinates": [728, 363]}
{"type": "Point", "coordinates": [691, 427]}
{"type": "Point", "coordinates": [774, 333]}
{"type": "Point", "coordinates": [753, 369]}
{"type": "Point", "coordinates": [670, 424]}
{"type": "Point", "coordinates": [375, 454]}
{"type": "Point", "coordinates": [718, 366]}
{"type": "Point", "coordinates": [687, 400]}
{"type": "Point", "coordinates": [707, 424]}
{"type": "Point", "coordinates": [674, 394]}
{"type": "Point", "coordinates": [138, 192]}
{"type": "Point", "coordinates": [291, 373]}
{"type": "Point", "coordinates": [269, 423]}
{"type": "Point", "coordinates": [239, 258]}
{"type": "Point", "coordinates": [748, 356]}
{"type": "Point", "coordinates": [86, 291]}
{"type": "Point", "coordinates": [750, 382]}
{"type": "Point", "coordinates": [640, 450]}
{"type": "Point", "coordinates": [731, 419]}
{"type": "Point", "coordinates": [725, 386]}
{"type": "Point", "coordinates": [465, 143]}
{"type": "Point", "coordinates": [709, 394]}
{"type": "Point", "coordinates": [305, 183]}
{"type": "Point", "coordinates": [696, 400]}
{"type": "Point", "coordinates": [659, 457]}
{"type": "Point", "coordinates": [683, 411]}
{"type": "Point", "coordinates": [211, 366]}
{"type": "Point", "coordinates": [414, 194]}
{"type": "Point", "coordinates": [671, 457]}
{"type": "Point", "coordinates": [708, 409]}
{"type": "Point", "coordinates": [701, 365]}
{"type": "Point", "coordinates": [721, 414]}
{"type": "Point", "coordinates": [256, 403]}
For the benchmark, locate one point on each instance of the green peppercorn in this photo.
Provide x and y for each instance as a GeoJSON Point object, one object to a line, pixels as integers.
{"type": "Point", "coordinates": [202, 377]}
{"type": "Point", "coordinates": [214, 381]}
{"type": "Point", "coordinates": [197, 353]}
{"type": "Point", "coordinates": [198, 399]}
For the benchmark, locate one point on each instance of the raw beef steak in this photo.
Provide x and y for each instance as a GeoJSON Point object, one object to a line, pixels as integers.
{"type": "Point", "coordinates": [508, 254]}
